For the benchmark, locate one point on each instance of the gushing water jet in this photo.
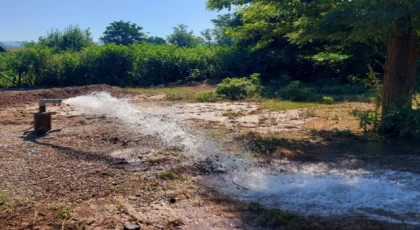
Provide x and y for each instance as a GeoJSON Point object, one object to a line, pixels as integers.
{"type": "Point", "coordinates": [307, 189]}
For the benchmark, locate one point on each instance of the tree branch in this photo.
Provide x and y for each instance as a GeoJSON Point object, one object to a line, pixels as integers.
{"type": "Point", "coordinates": [375, 48]}
{"type": "Point", "coordinates": [3, 76]}
{"type": "Point", "coordinates": [380, 63]}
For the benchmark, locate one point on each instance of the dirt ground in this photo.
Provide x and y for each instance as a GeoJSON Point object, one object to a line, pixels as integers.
{"type": "Point", "coordinates": [93, 173]}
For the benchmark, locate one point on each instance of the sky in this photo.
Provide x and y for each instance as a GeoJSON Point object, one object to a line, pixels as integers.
{"type": "Point", "coordinates": [26, 20]}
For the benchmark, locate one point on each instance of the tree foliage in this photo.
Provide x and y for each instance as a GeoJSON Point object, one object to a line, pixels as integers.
{"type": "Point", "coordinates": [2, 48]}
{"type": "Point", "coordinates": [123, 33]}
{"type": "Point", "coordinates": [391, 25]}
{"type": "Point", "coordinates": [156, 40]}
{"type": "Point", "coordinates": [134, 65]}
{"type": "Point", "coordinates": [240, 88]}
{"type": "Point", "coordinates": [72, 38]}
{"type": "Point", "coordinates": [182, 37]}
{"type": "Point", "coordinates": [207, 35]}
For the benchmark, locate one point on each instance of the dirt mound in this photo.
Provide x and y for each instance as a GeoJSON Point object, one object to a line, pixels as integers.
{"type": "Point", "coordinates": [13, 98]}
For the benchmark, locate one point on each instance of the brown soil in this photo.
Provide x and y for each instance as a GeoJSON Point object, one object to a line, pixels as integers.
{"type": "Point", "coordinates": [12, 98]}
{"type": "Point", "coordinates": [95, 174]}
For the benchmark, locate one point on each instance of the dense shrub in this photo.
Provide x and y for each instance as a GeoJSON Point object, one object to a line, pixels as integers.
{"type": "Point", "coordinates": [207, 97]}
{"type": "Point", "coordinates": [295, 91]}
{"type": "Point", "coordinates": [110, 64]}
{"type": "Point", "coordinates": [135, 65]}
{"type": "Point", "coordinates": [174, 97]}
{"type": "Point", "coordinates": [405, 122]}
{"type": "Point", "coordinates": [341, 89]}
{"type": "Point", "coordinates": [327, 100]}
{"type": "Point", "coordinates": [162, 64]}
{"type": "Point", "coordinates": [239, 88]}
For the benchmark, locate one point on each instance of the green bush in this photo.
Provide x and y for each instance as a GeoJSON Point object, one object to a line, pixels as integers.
{"type": "Point", "coordinates": [327, 100]}
{"type": "Point", "coordinates": [135, 65]}
{"type": "Point", "coordinates": [368, 120]}
{"type": "Point", "coordinates": [167, 175]}
{"type": "Point", "coordinates": [346, 89]}
{"type": "Point", "coordinates": [296, 92]}
{"type": "Point", "coordinates": [403, 122]}
{"type": "Point", "coordinates": [174, 97]}
{"type": "Point", "coordinates": [240, 88]}
{"type": "Point", "coordinates": [207, 97]}
{"type": "Point", "coordinates": [163, 64]}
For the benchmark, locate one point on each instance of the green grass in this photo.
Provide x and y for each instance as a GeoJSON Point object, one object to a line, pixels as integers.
{"type": "Point", "coordinates": [276, 105]}
{"type": "Point", "coordinates": [167, 175]}
{"type": "Point", "coordinates": [267, 144]}
{"type": "Point", "coordinates": [232, 115]}
{"type": "Point", "coordinates": [274, 217]}
{"type": "Point", "coordinates": [4, 197]}
{"type": "Point", "coordinates": [207, 97]}
{"type": "Point", "coordinates": [173, 93]}
{"type": "Point", "coordinates": [207, 94]}
{"type": "Point", "coordinates": [285, 105]}
{"type": "Point", "coordinates": [62, 212]}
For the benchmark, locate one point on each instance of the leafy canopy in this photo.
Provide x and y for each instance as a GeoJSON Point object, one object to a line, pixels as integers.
{"type": "Point", "coordinates": [156, 40]}
{"type": "Point", "coordinates": [301, 21]}
{"type": "Point", "coordinates": [2, 48]}
{"type": "Point", "coordinates": [183, 38]}
{"type": "Point", "coordinates": [123, 33]}
{"type": "Point", "coordinates": [207, 35]}
{"type": "Point", "coordinates": [72, 38]}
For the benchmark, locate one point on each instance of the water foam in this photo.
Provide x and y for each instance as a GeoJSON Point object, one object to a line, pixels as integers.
{"type": "Point", "coordinates": [385, 195]}
{"type": "Point", "coordinates": [312, 189]}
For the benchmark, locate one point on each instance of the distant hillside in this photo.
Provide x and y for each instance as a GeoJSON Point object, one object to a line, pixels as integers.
{"type": "Point", "coordinates": [11, 44]}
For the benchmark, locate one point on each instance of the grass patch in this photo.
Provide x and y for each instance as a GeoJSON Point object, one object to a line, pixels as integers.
{"type": "Point", "coordinates": [275, 105]}
{"type": "Point", "coordinates": [175, 223]}
{"type": "Point", "coordinates": [4, 198]}
{"type": "Point", "coordinates": [207, 97]}
{"type": "Point", "coordinates": [155, 160]}
{"type": "Point", "coordinates": [231, 114]}
{"type": "Point", "coordinates": [285, 105]}
{"type": "Point", "coordinates": [264, 143]}
{"type": "Point", "coordinates": [62, 212]}
{"type": "Point", "coordinates": [308, 113]}
{"type": "Point", "coordinates": [347, 134]}
{"type": "Point", "coordinates": [153, 186]}
{"type": "Point", "coordinates": [174, 97]}
{"type": "Point", "coordinates": [174, 93]}
{"type": "Point", "coordinates": [167, 175]}
{"type": "Point", "coordinates": [273, 217]}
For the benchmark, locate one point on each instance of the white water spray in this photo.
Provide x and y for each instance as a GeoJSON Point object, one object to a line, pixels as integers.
{"type": "Point", "coordinates": [136, 120]}
{"type": "Point", "coordinates": [312, 189]}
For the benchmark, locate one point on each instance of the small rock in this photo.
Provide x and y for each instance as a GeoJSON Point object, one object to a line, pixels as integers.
{"type": "Point", "coordinates": [172, 200]}
{"type": "Point", "coordinates": [130, 226]}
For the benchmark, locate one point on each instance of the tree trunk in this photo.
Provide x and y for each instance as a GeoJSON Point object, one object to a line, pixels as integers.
{"type": "Point", "coordinates": [400, 72]}
{"type": "Point", "coordinates": [20, 79]}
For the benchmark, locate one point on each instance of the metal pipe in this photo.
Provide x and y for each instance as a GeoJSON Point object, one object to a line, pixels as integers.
{"type": "Point", "coordinates": [42, 119]}
{"type": "Point", "coordinates": [42, 102]}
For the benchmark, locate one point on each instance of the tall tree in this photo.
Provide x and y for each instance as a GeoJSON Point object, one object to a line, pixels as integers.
{"type": "Point", "coordinates": [29, 63]}
{"type": "Point", "coordinates": [207, 35]}
{"type": "Point", "coordinates": [123, 33]}
{"type": "Point", "coordinates": [182, 37]}
{"type": "Point", "coordinates": [156, 40]}
{"type": "Point", "coordinates": [72, 38]}
{"type": "Point", "coordinates": [2, 48]}
{"type": "Point", "coordinates": [222, 25]}
{"type": "Point", "coordinates": [392, 23]}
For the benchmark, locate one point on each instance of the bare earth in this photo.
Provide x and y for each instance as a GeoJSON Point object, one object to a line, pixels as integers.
{"type": "Point", "coordinates": [93, 173]}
